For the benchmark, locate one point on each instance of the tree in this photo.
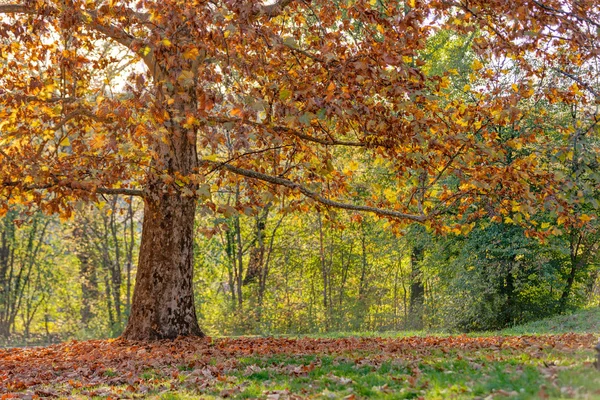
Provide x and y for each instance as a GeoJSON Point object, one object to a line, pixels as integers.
{"type": "Point", "coordinates": [209, 93]}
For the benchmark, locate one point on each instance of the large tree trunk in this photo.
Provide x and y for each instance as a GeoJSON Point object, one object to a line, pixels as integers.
{"type": "Point", "coordinates": [163, 299]}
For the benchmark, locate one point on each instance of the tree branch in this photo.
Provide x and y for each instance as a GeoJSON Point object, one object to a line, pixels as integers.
{"type": "Point", "coordinates": [90, 19]}
{"type": "Point", "coordinates": [580, 18]}
{"type": "Point", "coordinates": [313, 195]}
{"type": "Point", "coordinates": [579, 81]}
{"type": "Point", "coordinates": [122, 191]}
{"type": "Point", "coordinates": [279, 128]}
{"type": "Point", "coordinates": [273, 10]}
{"type": "Point", "coordinates": [75, 114]}
{"type": "Point", "coordinates": [75, 186]}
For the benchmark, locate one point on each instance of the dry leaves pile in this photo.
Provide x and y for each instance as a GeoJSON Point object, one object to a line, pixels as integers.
{"type": "Point", "coordinates": [206, 362]}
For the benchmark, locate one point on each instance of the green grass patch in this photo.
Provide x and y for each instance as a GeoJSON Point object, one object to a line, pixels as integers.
{"type": "Point", "coordinates": [583, 321]}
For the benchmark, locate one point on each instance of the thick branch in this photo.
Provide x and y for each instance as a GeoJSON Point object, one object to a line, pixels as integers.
{"type": "Point", "coordinates": [118, 35]}
{"type": "Point", "coordinates": [313, 195]}
{"type": "Point", "coordinates": [16, 9]}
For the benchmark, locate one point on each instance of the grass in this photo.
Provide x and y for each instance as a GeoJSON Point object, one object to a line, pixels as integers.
{"type": "Point", "coordinates": [435, 377]}
{"type": "Point", "coordinates": [584, 321]}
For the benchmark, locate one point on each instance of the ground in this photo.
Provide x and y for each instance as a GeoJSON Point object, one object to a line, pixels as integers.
{"type": "Point", "coordinates": [490, 366]}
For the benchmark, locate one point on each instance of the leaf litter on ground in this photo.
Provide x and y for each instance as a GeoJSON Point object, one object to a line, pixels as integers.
{"type": "Point", "coordinates": [277, 368]}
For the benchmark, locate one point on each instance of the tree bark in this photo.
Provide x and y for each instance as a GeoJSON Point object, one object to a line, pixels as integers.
{"type": "Point", "coordinates": [163, 300]}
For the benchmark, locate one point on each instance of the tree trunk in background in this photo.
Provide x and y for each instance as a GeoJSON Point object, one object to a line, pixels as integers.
{"type": "Point", "coordinates": [89, 287]}
{"type": "Point", "coordinates": [109, 305]}
{"type": "Point", "coordinates": [257, 252]}
{"type": "Point", "coordinates": [129, 243]}
{"type": "Point", "coordinates": [115, 267]}
{"type": "Point", "coordinates": [509, 312]}
{"type": "Point", "coordinates": [6, 276]}
{"type": "Point", "coordinates": [417, 290]}
{"type": "Point", "coordinates": [163, 300]}
{"type": "Point", "coordinates": [88, 275]}
{"type": "Point", "coordinates": [324, 271]}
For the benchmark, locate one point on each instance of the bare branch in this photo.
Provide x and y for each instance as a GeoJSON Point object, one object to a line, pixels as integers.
{"type": "Point", "coordinates": [580, 18]}
{"type": "Point", "coordinates": [579, 81]}
{"type": "Point", "coordinates": [313, 195]}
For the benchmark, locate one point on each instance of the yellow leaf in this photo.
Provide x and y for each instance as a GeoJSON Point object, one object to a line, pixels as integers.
{"type": "Point", "coordinates": [412, 3]}
{"type": "Point", "coordinates": [166, 42]}
{"type": "Point", "coordinates": [97, 141]}
{"type": "Point", "coordinates": [65, 142]}
{"type": "Point", "coordinates": [462, 122]}
{"type": "Point", "coordinates": [350, 167]}
{"type": "Point", "coordinates": [190, 121]}
{"type": "Point", "coordinates": [191, 54]}
{"type": "Point", "coordinates": [518, 145]}
{"type": "Point", "coordinates": [514, 87]}
{"type": "Point", "coordinates": [477, 65]}
{"type": "Point", "coordinates": [145, 50]}
{"type": "Point", "coordinates": [390, 195]}
{"type": "Point", "coordinates": [445, 83]}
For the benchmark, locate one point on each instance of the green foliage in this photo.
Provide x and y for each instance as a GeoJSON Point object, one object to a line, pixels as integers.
{"type": "Point", "coordinates": [498, 277]}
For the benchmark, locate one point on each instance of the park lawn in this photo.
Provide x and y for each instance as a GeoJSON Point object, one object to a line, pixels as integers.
{"type": "Point", "coordinates": [523, 362]}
